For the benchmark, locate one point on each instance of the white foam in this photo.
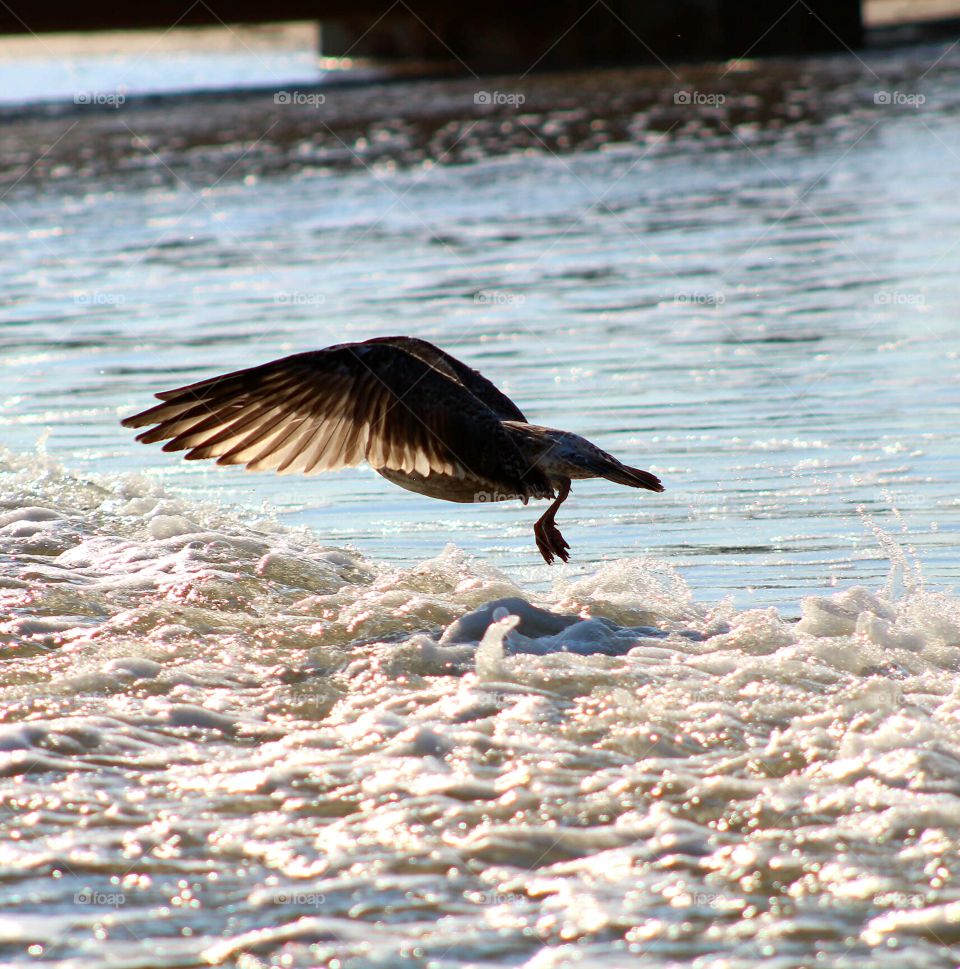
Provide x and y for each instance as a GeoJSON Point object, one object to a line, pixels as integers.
{"type": "Point", "coordinates": [193, 687]}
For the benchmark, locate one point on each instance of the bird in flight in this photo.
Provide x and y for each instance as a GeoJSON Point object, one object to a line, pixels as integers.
{"type": "Point", "coordinates": [418, 416]}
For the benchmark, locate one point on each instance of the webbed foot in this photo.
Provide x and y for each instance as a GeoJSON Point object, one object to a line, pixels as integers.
{"type": "Point", "coordinates": [550, 542]}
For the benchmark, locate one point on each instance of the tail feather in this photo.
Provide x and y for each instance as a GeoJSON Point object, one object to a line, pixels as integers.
{"type": "Point", "coordinates": [632, 477]}
{"type": "Point", "coordinates": [567, 454]}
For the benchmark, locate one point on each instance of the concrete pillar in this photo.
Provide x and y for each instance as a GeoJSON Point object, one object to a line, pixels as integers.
{"type": "Point", "coordinates": [497, 36]}
{"type": "Point", "coordinates": [762, 27]}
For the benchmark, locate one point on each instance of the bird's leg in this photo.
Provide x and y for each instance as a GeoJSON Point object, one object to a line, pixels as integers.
{"type": "Point", "coordinates": [549, 540]}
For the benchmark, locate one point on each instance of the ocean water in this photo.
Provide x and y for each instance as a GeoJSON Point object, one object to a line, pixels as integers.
{"type": "Point", "coordinates": [263, 721]}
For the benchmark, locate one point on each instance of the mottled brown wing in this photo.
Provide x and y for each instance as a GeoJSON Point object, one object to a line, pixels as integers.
{"type": "Point", "coordinates": [478, 385]}
{"type": "Point", "coordinates": [335, 408]}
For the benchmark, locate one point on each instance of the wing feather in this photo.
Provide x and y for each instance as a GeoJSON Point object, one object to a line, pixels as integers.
{"type": "Point", "coordinates": [457, 370]}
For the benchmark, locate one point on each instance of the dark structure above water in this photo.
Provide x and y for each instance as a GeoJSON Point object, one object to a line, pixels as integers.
{"type": "Point", "coordinates": [496, 34]}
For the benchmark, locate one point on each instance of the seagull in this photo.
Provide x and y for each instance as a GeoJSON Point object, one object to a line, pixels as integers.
{"type": "Point", "coordinates": [418, 416]}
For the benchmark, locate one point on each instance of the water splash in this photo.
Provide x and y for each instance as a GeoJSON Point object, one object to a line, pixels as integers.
{"type": "Point", "coordinates": [229, 742]}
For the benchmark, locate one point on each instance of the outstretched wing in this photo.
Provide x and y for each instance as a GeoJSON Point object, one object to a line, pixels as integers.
{"type": "Point", "coordinates": [336, 408]}
{"type": "Point", "coordinates": [457, 370]}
